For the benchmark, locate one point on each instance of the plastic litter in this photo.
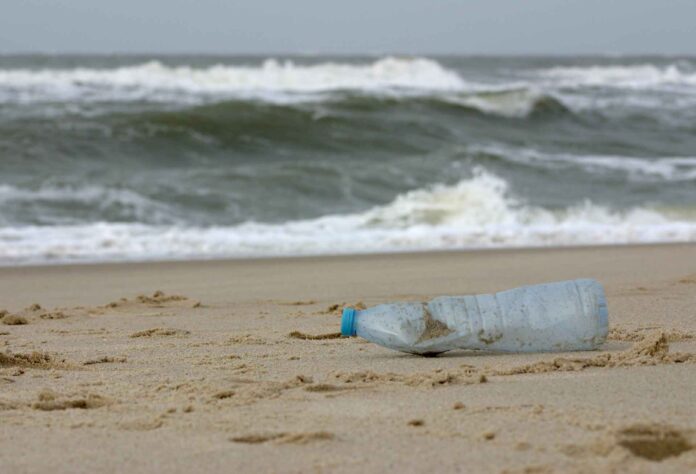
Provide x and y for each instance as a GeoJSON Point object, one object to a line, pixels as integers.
{"type": "Point", "coordinates": [562, 316]}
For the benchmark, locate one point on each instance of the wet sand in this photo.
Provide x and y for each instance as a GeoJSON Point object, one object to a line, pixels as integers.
{"type": "Point", "coordinates": [234, 366]}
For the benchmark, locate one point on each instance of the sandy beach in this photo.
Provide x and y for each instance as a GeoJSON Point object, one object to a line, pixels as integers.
{"type": "Point", "coordinates": [233, 366]}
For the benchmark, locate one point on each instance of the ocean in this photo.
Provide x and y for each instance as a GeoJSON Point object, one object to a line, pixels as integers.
{"type": "Point", "coordinates": [113, 158]}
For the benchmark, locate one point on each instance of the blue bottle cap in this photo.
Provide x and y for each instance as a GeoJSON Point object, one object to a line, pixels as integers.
{"type": "Point", "coordinates": [348, 322]}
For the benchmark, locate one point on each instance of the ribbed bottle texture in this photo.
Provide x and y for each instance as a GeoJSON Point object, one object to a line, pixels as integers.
{"type": "Point", "coordinates": [563, 316]}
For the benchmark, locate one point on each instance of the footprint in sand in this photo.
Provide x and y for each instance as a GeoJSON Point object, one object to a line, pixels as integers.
{"type": "Point", "coordinates": [650, 441]}
{"type": "Point", "coordinates": [653, 442]}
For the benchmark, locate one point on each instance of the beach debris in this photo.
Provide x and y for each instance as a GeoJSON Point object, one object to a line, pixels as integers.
{"type": "Point", "coordinates": [566, 316]}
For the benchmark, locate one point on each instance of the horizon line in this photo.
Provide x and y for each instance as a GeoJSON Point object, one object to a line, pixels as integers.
{"type": "Point", "coordinates": [345, 54]}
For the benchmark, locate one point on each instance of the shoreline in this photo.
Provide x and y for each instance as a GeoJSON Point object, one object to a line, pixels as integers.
{"type": "Point", "coordinates": [194, 259]}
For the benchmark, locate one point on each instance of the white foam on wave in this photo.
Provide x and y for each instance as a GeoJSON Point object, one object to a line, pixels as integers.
{"type": "Point", "coordinates": [67, 91]}
{"type": "Point", "coordinates": [670, 169]}
{"type": "Point", "coordinates": [510, 103]}
{"type": "Point", "coordinates": [631, 77]}
{"type": "Point", "coordinates": [474, 213]}
{"type": "Point", "coordinates": [272, 80]}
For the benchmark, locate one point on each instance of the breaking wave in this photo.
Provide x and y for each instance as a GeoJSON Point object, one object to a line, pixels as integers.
{"type": "Point", "coordinates": [631, 77]}
{"type": "Point", "coordinates": [474, 213]}
{"type": "Point", "coordinates": [110, 158]}
{"type": "Point", "coordinates": [272, 80]}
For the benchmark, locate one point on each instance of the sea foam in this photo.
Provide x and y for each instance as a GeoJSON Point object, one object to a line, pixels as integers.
{"type": "Point", "coordinates": [154, 81]}
{"type": "Point", "coordinates": [288, 82]}
{"type": "Point", "coordinates": [474, 213]}
{"type": "Point", "coordinates": [635, 76]}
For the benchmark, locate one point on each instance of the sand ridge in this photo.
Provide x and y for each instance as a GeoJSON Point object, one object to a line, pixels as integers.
{"type": "Point", "coordinates": [649, 350]}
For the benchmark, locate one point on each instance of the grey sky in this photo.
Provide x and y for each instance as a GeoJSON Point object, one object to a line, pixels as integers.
{"type": "Point", "coordinates": [350, 26]}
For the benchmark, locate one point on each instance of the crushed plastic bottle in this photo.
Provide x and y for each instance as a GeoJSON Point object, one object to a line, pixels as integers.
{"type": "Point", "coordinates": [563, 316]}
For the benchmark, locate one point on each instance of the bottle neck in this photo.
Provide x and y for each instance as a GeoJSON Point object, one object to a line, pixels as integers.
{"type": "Point", "coordinates": [348, 322]}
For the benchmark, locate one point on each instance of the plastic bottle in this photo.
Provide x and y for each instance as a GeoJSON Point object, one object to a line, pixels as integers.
{"type": "Point", "coordinates": [563, 316]}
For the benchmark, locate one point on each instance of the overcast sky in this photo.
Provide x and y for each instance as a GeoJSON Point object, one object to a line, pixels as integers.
{"type": "Point", "coordinates": [350, 26]}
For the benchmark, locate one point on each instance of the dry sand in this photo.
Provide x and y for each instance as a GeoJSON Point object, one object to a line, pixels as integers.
{"type": "Point", "coordinates": [235, 367]}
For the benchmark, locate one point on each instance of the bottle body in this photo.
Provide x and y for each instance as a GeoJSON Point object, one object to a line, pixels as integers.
{"type": "Point", "coordinates": [563, 316]}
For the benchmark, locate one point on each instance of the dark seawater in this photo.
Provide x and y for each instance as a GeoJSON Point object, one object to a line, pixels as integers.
{"type": "Point", "coordinates": [126, 157]}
